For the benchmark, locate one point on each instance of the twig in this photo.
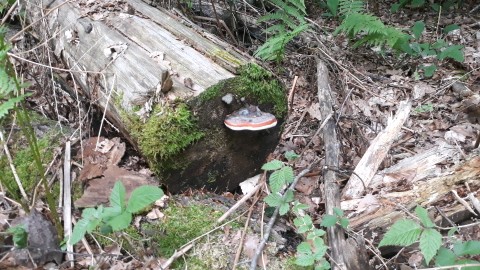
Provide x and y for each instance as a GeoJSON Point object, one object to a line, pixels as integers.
{"type": "Point", "coordinates": [33, 23]}
{"type": "Point", "coordinates": [291, 94]}
{"type": "Point", "coordinates": [10, 10]}
{"type": "Point", "coordinates": [175, 255]}
{"type": "Point", "coordinates": [12, 167]}
{"type": "Point", "coordinates": [67, 201]}
{"type": "Point", "coordinates": [242, 200]}
{"type": "Point", "coordinates": [261, 245]}
{"type": "Point", "coordinates": [242, 237]}
{"type": "Point", "coordinates": [463, 202]}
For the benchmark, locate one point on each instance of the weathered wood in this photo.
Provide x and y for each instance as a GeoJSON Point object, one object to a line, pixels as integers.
{"type": "Point", "coordinates": [373, 157]}
{"type": "Point", "coordinates": [345, 254]}
{"type": "Point", "coordinates": [128, 56]}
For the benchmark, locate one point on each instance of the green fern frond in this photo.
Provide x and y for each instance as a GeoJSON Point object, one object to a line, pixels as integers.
{"type": "Point", "coordinates": [361, 23]}
{"type": "Point", "coordinates": [6, 106]}
{"type": "Point", "coordinates": [347, 7]}
{"type": "Point", "coordinates": [276, 29]}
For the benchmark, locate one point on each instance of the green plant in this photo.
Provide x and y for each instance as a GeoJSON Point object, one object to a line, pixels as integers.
{"type": "Point", "coordinates": [19, 236]}
{"type": "Point", "coordinates": [445, 5]}
{"type": "Point", "coordinates": [406, 232]}
{"type": "Point", "coordinates": [439, 49]}
{"type": "Point", "coordinates": [313, 250]}
{"type": "Point", "coordinates": [118, 216]}
{"type": "Point", "coordinates": [290, 22]}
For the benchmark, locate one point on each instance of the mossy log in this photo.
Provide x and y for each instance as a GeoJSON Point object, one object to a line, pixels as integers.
{"type": "Point", "coordinates": [160, 83]}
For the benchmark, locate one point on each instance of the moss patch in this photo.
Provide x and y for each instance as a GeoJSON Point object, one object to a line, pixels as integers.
{"type": "Point", "coordinates": [253, 83]}
{"type": "Point", "coordinates": [164, 135]}
{"type": "Point", "coordinates": [23, 158]}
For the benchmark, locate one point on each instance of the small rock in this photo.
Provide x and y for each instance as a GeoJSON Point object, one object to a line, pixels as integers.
{"type": "Point", "coordinates": [228, 98]}
{"type": "Point", "coordinates": [42, 241]}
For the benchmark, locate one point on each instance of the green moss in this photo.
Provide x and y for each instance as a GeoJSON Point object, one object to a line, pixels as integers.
{"type": "Point", "coordinates": [227, 57]}
{"type": "Point", "coordinates": [182, 224]}
{"type": "Point", "coordinates": [255, 83]}
{"type": "Point", "coordinates": [164, 135]}
{"type": "Point", "coordinates": [25, 167]}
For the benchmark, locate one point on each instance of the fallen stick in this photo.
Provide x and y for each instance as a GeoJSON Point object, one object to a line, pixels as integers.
{"type": "Point", "coordinates": [373, 157]}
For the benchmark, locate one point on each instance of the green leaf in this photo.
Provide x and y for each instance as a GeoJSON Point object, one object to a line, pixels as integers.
{"type": "Point", "coordinates": [430, 242]}
{"type": "Point", "coordinates": [288, 196]}
{"type": "Point", "coordinates": [121, 221]}
{"type": "Point", "coordinates": [304, 255]}
{"type": "Point", "coordinates": [284, 207]}
{"type": "Point", "coordinates": [428, 71]}
{"type": "Point", "coordinates": [316, 233]}
{"type": "Point", "coordinates": [19, 235]}
{"type": "Point", "coordinates": [142, 197]}
{"type": "Point", "coordinates": [445, 257]}
{"type": "Point", "coordinates": [450, 28]}
{"type": "Point", "coordinates": [344, 222]}
{"type": "Point", "coordinates": [328, 221]}
{"type": "Point", "coordinates": [117, 196]}
{"type": "Point", "coordinates": [467, 248]}
{"type": "Point", "coordinates": [6, 106]}
{"type": "Point", "coordinates": [454, 52]}
{"type": "Point", "coordinates": [286, 174]}
{"type": "Point", "coordinates": [403, 233]}
{"type": "Point", "coordinates": [273, 199]}
{"type": "Point", "coordinates": [338, 212]}
{"type": "Point", "coordinates": [290, 155]}
{"type": "Point", "coordinates": [333, 6]}
{"type": "Point", "coordinates": [78, 231]}
{"type": "Point", "coordinates": [303, 224]}
{"type": "Point", "coordinates": [297, 207]}
{"type": "Point", "coordinates": [272, 165]}
{"type": "Point", "coordinates": [440, 43]}
{"type": "Point", "coordinates": [452, 231]}
{"type": "Point", "coordinates": [417, 3]}
{"type": "Point", "coordinates": [417, 29]}
{"type": "Point", "coordinates": [422, 214]}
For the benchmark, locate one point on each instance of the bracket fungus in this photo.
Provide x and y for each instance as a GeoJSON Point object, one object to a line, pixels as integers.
{"type": "Point", "coordinates": [250, 118]}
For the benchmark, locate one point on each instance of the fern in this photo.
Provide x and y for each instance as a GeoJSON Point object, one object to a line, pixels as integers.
{"type": "Point", "coordinates": [346, 7]}
{"type": "Point", "coordinates": [289, 22]}
{"type": "Point", "coordinates": [371, 29]}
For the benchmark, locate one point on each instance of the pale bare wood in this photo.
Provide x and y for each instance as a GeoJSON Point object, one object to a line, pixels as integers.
{"type": "Point", "coordinates": [373, 157]}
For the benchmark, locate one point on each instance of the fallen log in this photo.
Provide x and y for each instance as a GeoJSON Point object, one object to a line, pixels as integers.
{"type": "Point", "coordinates": [161, 83]}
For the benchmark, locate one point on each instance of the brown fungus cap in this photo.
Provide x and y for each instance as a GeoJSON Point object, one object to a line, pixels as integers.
{"type": "Point", "coordinates": [250, 118]}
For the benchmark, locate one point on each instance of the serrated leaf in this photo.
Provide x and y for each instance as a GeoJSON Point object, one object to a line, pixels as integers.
{"type": "Point", "coordinates": [450, 28]}
{"type": "Point", "coordinates": [315, 233]}
{"type": "Point", "coordinates": [286, 174]}
{"type": "Point", "coordinates": [120, 222]}
{"type": "Point", "coordinates": [403, 233]}
{"type": "Point", "coordinates": [19, 235]}
{"type": "Point", "coordinates": [288, 196]}
{"type": "Point", "coordinates": [467, 248]}
{"type": "Point", "coordinates": [272, 165]}
{"type": "Point", "coordinates": [117, 196]}
{"type": "Point", "coordinates": [142, 197]}
{"type": "Point", "coordinates": [428, 71]}
{"type": "Point", "coordinates": [304, 247]}
{"type": "Point", "coordinates": [79, 231]}
{"type": "Point", "coordinates": [273, 199]}
{"type": "Point", "coordinates": [445, 257]}
{"type": "Point", "coordinates": [417, 29]}
{"type": "Point", "coordinates": [290, 155]}
{"type": "Point", "coordinates": [284, 207]}
{"type": "Point", "coordinates": [304, 260]}
{"type": "Point", "coordinates": [328, 221]}
{"type": "Point", "coordinates": [454, 52]}
{"type": "Point", "coordinates": [320, 252]}
{"type": "Point", "coordinates": [338, 211]}
{"type": "Point", "coordinates": [452, 231]}
{"type": "Point", "coordinates": [344, 222]}
{"type": "Point", "coordinates": [422, 214]}
{"type": "Point", "coordinates": [297, 207]}
{"type": "Point", "coordinates": [430, 242]}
